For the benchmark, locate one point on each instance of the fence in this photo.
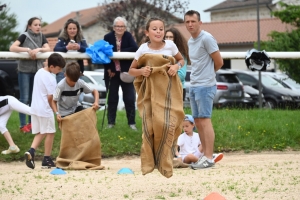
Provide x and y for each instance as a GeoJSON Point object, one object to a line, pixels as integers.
{"type": "Point", "coordinates": [5, 55]}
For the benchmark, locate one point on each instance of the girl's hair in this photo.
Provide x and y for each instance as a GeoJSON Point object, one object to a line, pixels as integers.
{"type": "Point", "coordinates": [64, 32]}
{"type": "Point", "coordinates": [180, 42]}
{"type": "Point", "coordinates": [30, 21]}
{"type": "Point", "coordinates": [146, 39]}
{"type": "Point", "coordinates": [122, 19]}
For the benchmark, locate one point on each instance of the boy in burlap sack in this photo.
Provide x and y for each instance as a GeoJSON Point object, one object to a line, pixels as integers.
{"type": "Point", "coordinates": [159, 100]}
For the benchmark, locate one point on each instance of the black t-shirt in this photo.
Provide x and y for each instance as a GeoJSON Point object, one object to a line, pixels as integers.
{"type": "Point", "coordinates": [22, 38]}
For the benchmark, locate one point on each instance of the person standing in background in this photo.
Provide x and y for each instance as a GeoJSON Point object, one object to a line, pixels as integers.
{"type": "Point", "coordinates": [31, 41]}
{"type": "Point", "coordinates": [174, 35]}
{"type": "Point", "coordinates": [71, 39]}
{"type": "Point", "coordinates": [205, 61]}
{"type": "Point", "coordinates": [122, 41]}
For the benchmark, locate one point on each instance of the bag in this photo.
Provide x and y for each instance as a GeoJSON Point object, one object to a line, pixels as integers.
{"type": "Point", "coordinates": [126, 78]}
{"type": "Point", "coordinates": [257, 60]}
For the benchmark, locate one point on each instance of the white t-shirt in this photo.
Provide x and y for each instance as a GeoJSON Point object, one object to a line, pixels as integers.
{"type": "Point", "coordinates": [44, 85]}
{"type": "Point", "coordinates": [170, 49]}
{"type": "Point", "coordinates": [188, 144]}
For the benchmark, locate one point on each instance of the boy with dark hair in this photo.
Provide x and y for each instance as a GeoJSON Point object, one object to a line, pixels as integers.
{"type": "Point", "coordinates": [68, 91]}
{"type": "Point", "coordinates": [43, 124]}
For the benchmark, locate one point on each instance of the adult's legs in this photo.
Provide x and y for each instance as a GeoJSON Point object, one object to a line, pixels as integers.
{"type": "Point", "coordinates": [129, 101]}
{"type": "Point", "coordinates": [113, 98]}
{"type": "Point", "coordinates": [207, 135]}
{"type": "Point", "coordinates": [26, 86]}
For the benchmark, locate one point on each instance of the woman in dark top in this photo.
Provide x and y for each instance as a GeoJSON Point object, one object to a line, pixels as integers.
{"type": "Point", "coordinates": [71, 39]}
{"type": "Point", "coordinates": [122, 41]}
{"type": "Point", "coordinates": [31, 41]}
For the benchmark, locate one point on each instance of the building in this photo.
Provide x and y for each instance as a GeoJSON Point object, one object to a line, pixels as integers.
{"type": "Point", "coordinates": [234, 25]}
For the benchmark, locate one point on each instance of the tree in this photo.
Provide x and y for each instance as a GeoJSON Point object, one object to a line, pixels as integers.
{"type": "Point", "coordinates": [137, 12]}
{"type": "Point", "coordinates": [287, 41]}
{"type": "Point", "coordinates": [7, 23]}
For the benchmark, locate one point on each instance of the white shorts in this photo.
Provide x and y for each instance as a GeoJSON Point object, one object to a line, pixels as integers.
{"type": "Point", "coordinates": [42, 125]}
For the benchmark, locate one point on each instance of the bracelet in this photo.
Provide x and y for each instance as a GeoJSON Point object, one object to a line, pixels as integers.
{"type": "Point", "coordinates": [28, 49]}
{"type": "Point", "coordinates": [179, 156]}
{"type": "Point", "coordinates": [179, 65]}
{"type": "Point", "coordinates": [57, 113]}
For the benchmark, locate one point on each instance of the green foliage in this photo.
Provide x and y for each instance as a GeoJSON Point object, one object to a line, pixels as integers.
{"type": "Point", "coordinates": [290, 14]}
{"type": "Point", "coordinates": [235, 130]}
{"type": "Point", "coordinates": [7, 23]}
{"type": "Point", "coordinates": [286, 41]}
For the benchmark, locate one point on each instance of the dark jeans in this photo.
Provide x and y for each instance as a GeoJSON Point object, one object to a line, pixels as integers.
{"type": "Point", "coordinates": [26, 86]}
{"type": "Point", "coordinates": [113, 98]}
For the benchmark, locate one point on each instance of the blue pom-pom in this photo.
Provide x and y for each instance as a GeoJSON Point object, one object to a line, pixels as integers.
{"type": "Point", "coordinates": [100, 52]}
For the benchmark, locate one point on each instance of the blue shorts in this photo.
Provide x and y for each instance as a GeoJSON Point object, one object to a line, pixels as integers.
{"type": "Point", "coordinates": [201, 100]}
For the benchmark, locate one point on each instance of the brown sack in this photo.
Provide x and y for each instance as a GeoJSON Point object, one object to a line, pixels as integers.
{"type": "Point", "coordinates": [160, 106]}
{"type": "Point", "coordinates": [80, 146]}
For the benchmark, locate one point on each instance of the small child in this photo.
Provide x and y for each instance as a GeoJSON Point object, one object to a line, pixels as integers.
{"type": "Point", "coordinates": [7, 105]}
{"type": "Point", "coordinates": [190, 144]}
{"type": "Point", "coordinates": [43, 124]}
{"type": "Point", "coordinates": [68, 92]}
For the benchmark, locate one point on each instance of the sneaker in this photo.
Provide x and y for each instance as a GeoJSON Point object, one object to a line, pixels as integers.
{"type": "Point", "coordinates": [29, 126]}
{"type": "Point", "coordinates": [110, 126]}
{"type": "Point", "coordinates": [29, 157]}
{"type": "Point", "coordinates": [217, 157]}
{"type": "Point", "coordinates": [133, 127]}
{"type": "Point", "coordinates": [25, 129]}
{"type": "Point", "coordinates": [47, 163]}
{"type": "Point", "coordinates": [203, 163]}
{"type": "Point", "coordinates": [11, 149]}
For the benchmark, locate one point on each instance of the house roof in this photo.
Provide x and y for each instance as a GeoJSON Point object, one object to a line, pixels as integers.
{"type": "Point", "coordinates": [85, 17]}
{"type": "Point", "coordinates": [239, 32]}
{"type": "Point", "coordinates": [235, 4]}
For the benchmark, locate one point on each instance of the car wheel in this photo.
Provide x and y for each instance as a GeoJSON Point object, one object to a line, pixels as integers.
{"type": "Point", "coordinates": [270, 104]}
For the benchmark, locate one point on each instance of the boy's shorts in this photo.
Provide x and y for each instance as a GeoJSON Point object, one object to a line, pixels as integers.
{"type": "Point", "coordinates": [42, 125]}
{"type": "Point", "coordinates": [201, 100]}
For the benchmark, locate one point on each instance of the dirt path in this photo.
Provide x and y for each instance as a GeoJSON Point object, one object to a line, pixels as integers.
{"type": "Point", "coordinates": [237, 176]}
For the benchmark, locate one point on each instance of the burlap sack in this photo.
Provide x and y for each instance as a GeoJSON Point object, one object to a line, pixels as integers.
{"type": "Point", "coordinates": [160, 106]}
{"type": "Point", "coordinates": [80, 146]}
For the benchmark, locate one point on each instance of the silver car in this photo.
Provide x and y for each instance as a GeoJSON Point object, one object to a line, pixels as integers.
{"type": "Point", "coordinates": [230, 92]}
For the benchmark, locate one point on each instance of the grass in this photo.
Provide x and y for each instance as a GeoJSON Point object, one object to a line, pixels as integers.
{"type": "Point", "coordinates": [236, 130]}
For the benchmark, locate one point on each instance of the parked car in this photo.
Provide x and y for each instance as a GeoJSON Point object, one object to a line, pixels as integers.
{"type": "Point", "coordinates": [275, 94]}
{"type": "Point", "coordinates": [230, 90]}
{"type": "Point", "coordinates": [285, 80]}
{"type": "Point", "coordinates": [95, 80]}
{"type": "Point", "coordinates": [252, 97]}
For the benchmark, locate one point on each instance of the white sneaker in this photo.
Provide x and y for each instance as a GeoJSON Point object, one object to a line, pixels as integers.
{"type": "Point", "coordinates": [133, 127]}
{"type": "Point", "coordinates": [110, 126]}
{"type": "Point", "coordinates": [11, 149]}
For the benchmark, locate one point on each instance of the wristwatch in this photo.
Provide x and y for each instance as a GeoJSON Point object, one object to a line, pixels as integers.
{"type": "Point", "coordinates": [179, 64]}
{"type": "Point", "coordinates": [57, 113]}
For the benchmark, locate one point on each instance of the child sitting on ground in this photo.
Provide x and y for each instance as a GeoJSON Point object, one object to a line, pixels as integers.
{"type": "Point", "coordinates": [68, 92]}
{"type": "Point", "coordinates": [190, 145]}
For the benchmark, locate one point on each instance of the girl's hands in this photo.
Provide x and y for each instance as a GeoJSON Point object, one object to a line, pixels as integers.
{"type": "Point", "coordinates": [32, 53]}
{"type": "Point", "coordinates": [173, 69]}
{"type": "Point", "coordinates": [146, 71]}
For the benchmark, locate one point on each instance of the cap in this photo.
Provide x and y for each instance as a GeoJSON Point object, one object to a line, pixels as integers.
{"type": "Point", "coordinates": [189, 118]}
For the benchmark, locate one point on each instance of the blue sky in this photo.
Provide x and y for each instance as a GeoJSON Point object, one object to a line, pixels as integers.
{"type": "Point", "coordinates": [51, 10]}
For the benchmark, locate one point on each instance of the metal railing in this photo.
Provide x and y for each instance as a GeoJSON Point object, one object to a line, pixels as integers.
{"type": "Point", "coordinates": [6, 55]}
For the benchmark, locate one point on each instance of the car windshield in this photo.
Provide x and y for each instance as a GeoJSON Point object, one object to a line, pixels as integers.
{"type": "Point", "coordinates": [269, 81]}
{"type": "Point", "coordinates": [227, 78]}
{"type": "Point", "coordinates": [291, 82]}
{"type": "Point", "coordinates": [98, 79]}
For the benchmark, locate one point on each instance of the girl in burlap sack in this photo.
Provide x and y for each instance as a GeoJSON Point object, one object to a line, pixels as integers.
{"type": "Point", "coordinates": [159, 97]}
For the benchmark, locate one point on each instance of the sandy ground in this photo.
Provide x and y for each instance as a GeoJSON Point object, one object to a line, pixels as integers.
{"type": "Point", "coordinates": [236, 176]}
